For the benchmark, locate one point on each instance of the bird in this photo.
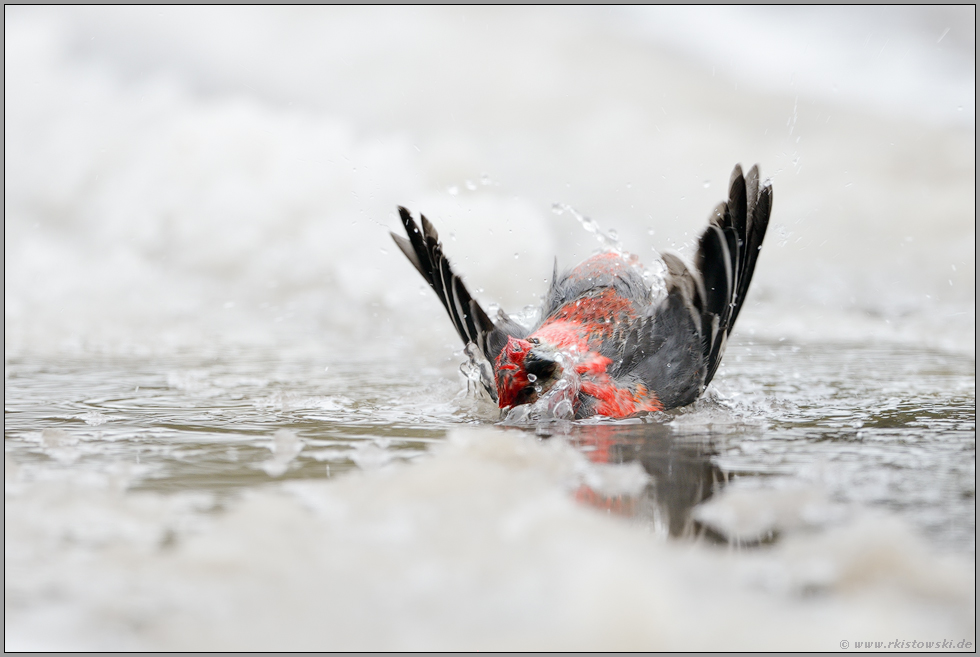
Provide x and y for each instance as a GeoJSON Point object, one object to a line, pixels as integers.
{"type": "Point", "coordinates": [606, 344]}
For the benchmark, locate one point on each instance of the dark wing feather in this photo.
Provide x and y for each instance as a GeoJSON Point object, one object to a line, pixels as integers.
{"type": "Point", "coordinates": [727, 272]}
{"type": "Point", "coordinates": [424, 250]}
{"type": "Point", "coordinates": [714, 262]}
{"type": "Point", "coordinates": [757, 217]}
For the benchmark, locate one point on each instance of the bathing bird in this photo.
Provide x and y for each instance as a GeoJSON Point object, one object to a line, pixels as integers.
{"type": "Point", "coordinates": [606, 343]}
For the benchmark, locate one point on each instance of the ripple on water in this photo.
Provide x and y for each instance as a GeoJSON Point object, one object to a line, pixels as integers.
{"type": "Point", "coordinates": [884, 426]}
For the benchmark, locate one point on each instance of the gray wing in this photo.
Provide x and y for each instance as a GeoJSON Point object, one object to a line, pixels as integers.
{"type": "Point", "coordinates": [663, 349]}
{"type": "Point", "coordinates": [676, 348]}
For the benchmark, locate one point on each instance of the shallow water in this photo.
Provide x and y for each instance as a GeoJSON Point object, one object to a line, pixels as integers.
{"type": "Point", "coordinates": [886, 426]}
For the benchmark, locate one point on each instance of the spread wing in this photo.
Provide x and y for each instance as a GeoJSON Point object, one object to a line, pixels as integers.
{"type": "Point", "coordinates": [676, 348]}
{"type": "Point", "coordinates": [726, 258]}
{"type": "Point", "coordinates": [424, 250]}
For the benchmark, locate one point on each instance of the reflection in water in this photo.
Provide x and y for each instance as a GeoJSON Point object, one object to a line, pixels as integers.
{"type": "Point", "coordinates": [682, 473]}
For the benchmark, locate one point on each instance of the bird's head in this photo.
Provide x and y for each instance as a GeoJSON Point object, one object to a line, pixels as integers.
{"type": "Point", "coordinates": [525, 369]}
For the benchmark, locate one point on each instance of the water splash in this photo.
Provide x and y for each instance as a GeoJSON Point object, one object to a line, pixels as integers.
{"type": "Point", "coordinates": [527, 316]}
{"type": "Point", "coordinates": [476, 399]}
{"type": "Point", "coordinates": [555, 406]}
{"type": "Point", "coordinates": [608, 239]}
{"type": "Point", "coordinates": [654, 276]}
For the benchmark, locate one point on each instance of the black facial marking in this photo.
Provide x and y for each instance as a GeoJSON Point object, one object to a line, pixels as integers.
{"type": "Point", "coordinates": [540, 366]}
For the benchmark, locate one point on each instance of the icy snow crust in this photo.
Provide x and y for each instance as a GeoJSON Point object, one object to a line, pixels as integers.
{"type": "Point", "coordinates": [234, 415]}
{"type": "Point", "coordinates": [423, 557]}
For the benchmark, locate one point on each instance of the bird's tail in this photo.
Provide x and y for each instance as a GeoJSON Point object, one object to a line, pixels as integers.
{"type": "Point", "coordinates": [725, 260]}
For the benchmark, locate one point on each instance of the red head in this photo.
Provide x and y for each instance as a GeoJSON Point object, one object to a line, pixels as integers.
{"type": "Point", "coordinates": [524, 370]}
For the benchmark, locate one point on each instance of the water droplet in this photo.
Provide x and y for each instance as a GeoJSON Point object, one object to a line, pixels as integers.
{"type": "Point", "coordinates": [532, 378]}
{"type": "Point", "coordinates": [707, 184]}
{"type": "Point", "coordinates": [563, 409]}
{"type": "Point", "coordinates": [470, 185]}
{"type": "Point", "coordinates": [384, 251]}
{"type": "Point", "coordinates": [485, 179]}
{"type": "Point", "coordinates": [629, 185]}
{"type": "Point", "coordinates": [557, 208]}
{"type": "Point", "coordinates": [453, 190]}
{"type": "Point", "coordinates": [516, 256]}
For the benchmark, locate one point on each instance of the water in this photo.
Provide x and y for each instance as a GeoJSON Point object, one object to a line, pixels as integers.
{"type": "Point", "coordinates": [209, 424]}
{"type": "Point", "coordinates": [235, 416]}
{"type": "Point", "coordinates": [902, 439]}
{"type": "Point", "coordinates": [162, 458]}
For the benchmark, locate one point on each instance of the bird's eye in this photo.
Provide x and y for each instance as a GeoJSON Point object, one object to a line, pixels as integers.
{"type": "Point", "coordinates": [534, 341]}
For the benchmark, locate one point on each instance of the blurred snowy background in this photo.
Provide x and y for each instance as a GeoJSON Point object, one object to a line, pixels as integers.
{"type": "Point", "coordinates": [181, 177]}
